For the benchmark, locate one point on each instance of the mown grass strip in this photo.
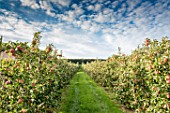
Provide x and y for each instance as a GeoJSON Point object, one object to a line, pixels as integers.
{"type": "Point", "coordinates": [84, 96]}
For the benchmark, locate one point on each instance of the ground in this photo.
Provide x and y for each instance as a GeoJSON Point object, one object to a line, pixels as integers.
{"type": "Point", "coordinates": [84, 96]}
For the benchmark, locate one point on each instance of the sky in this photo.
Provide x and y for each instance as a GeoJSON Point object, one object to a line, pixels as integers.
{"type": "Point", "coordinates": [86, 28]}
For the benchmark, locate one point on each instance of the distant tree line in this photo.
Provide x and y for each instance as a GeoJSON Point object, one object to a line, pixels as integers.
{"type": "Point", "coordinates": [84, 61]}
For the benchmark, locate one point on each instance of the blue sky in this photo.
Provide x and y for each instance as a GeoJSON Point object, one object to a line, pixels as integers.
{"type": "Point", "coordinates": [86, 28]}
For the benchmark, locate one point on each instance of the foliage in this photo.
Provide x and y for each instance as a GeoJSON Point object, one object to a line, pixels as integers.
{"type": "Point", "coordinates": [141, 80]}
{"type": "Point", "coordinates": [32, 82]}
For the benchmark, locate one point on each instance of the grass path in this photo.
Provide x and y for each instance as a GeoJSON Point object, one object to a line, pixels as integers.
{"type": "Point", "coordinates": [84, 96]}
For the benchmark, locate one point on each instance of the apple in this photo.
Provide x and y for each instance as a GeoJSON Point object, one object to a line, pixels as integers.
{"type": "Point", "coordinates": [156, 72]}
{"type": "Point", "coordinates": [31, 76]}
{"type": "Point", "coordinates": [21, 81]}
{"type": "Point", "coordinates": [168, 81]}
{"type": "Point", "coordinates": [12, 50]}
{"type": "Point", "coordinates": [19, 48]}
{"type": "Point", "coordinates": [33, 84]}
{"type": "Point", "coordinates": [165, 60]}
{"type": "Point", "coordinates": [20, 101]}
{"type": "Point", "coordinates": [147, 42]}
{"type": "Point", "coordinates": [13, 54]}
{"type": "Point", "coordinates": [8, 82]}
{"type": "Point", "coordinates": [168, 77]}
{"type": "Point", "coordinates": [3, 88]}
{"type": "Point", "coordinates": [156, 53]}
{"type": "Point", "coordinates": [150, 61]}
{"type": "Point", "coordinates": [155, 88]}
{"type": "Point", "coordinates": [166, 106]}
{"type": "Point", "coordinates": [28, 68]}
{"type": "Point", "coordinates": [160, 62]}
{"type": "Point", "coordinates": [168, 95]}
{"type": "Point", "coordinates": [123, 54]}
{"type": "Point", "coordinates": [135, 80]}
{"type": "Point", "coordinates": [150, 67]}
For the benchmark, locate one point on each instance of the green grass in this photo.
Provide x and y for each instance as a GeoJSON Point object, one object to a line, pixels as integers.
{"type": "Point", "coordinates": [84, 96]}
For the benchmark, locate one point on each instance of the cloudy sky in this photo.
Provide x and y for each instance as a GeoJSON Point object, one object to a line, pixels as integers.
{"type": "Point", "coordinates": [86, 28]}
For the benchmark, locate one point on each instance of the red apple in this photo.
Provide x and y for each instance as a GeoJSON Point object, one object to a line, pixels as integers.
{"type": "Point", "coordinates": [135, 80]}
{"type": "Point", "coordinates": [156, 53]}
{"type": "Point", "coordinates": [33, 84]}
{"type": "Point", "coordinates": [147, 42]}
{"type": "Point", "coordinates": [3, 88]}
{"type": "Point", "coordinates": [165, 60]}
{"type": "Point", "coordinates": [19, 48]}
{"type": "Point", "coordinates": [8, 82]}
{"type": "Point", "coordinates": [155, 88]}
{"type": "Point", "coordinates": [20, 101]}
{"type": "Point", "coordinates": [21, 81]}
{"type": "Point", "coordinates": [160, 62]}
{"type": "Point", "coordinates": [123, 54]}
{"type": "Point", "coordinates": [28, 68]}
{"type": "Point", "coordinates": [156, 72]}
{"type": "Point", "coordinates": [150, 61]}
{"type": "Point", "coordinates": [12, 50]}
{"type": "Point", "coordinates": [168, 77]}
{"type": "Point", "coordinates": [13, 54]}
{"type": "Point", "coordinates": [168, 81]}
{"type": "Point", "coordinates": [168, 95]}
{"type": "Point", "coordinates": [31, 76]}
{"type": "Point", "coordinates": [150, 67]}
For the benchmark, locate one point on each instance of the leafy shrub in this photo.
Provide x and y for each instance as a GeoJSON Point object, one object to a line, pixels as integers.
{"type": "Point", "coordinates": [32, 82]}
{"type": "Point", "coordinates": [141, 80]}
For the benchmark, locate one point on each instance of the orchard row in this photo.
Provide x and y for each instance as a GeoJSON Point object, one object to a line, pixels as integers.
{"type": "Point", "coordinates": [140, 81]}
{"type": "Point", "coordinates": [31, 80]}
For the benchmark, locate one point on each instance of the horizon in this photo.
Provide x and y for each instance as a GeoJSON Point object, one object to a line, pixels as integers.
{"type": "Point", "coordinates": [86, 29]}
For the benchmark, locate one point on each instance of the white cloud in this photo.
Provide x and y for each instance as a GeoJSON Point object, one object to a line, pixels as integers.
{"type": "Point", "coordinates": [74, 6]}
{"type": "Point", "coordinates": [102, 18]}
{"type": "Point", "coordinates": [86, 25]}
{"type": "Point", "coordinates": [107, 11]}
{"type": "Point", "coordinates": [94, 27]}
{"type": "Point", "coordinates": [114, 4]}
{"type": "Point", "coordinates": [97, 7]}
{"type": "Point", "coordinates": [62, 2]}
{"type": "Point", "coordinates": [45, 5]}
{"type": "Point", "coordinates": [48, 12]}
{"type": "Point", "coordinates": [30, 3]}
{"type": "Point", "coordinates": [108, 38]}
{"type": "Point", "coordinates": [83, 35]}
{"type": "Point", "coordinates": [78, 23]}
{"type": "Point", "coordinates": [70, 16]}
{"type": "Point", "coordinates": [77, 9]}
{"type": "Point", "coordinates": [90, 7]}
{"type": "Point", "coordinates": [131, 4]}
{"type": "Point", "coordinates": [80, 45]}
{"type": "Point", "coordinates": [107, 2]}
